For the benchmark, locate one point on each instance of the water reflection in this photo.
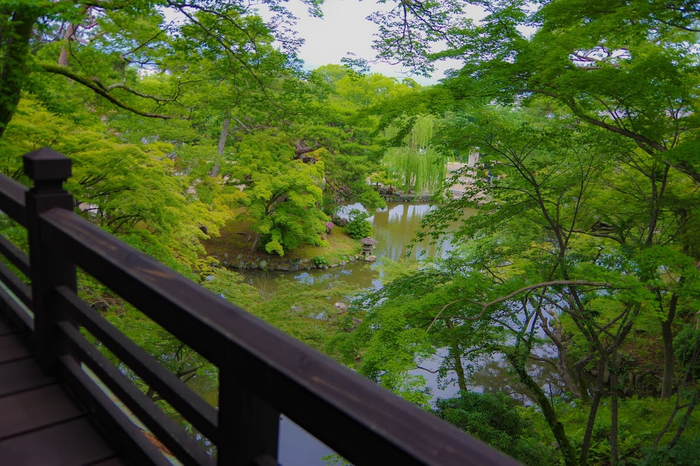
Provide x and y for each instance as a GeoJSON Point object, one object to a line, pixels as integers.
{"type": "Point", "coordinates": [395, 228]}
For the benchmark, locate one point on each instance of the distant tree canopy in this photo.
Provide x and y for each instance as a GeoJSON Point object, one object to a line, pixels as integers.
{"type": "Point", "coordinates": [211, 85]}
{"type": "Point", "coordinates": [97, 44]}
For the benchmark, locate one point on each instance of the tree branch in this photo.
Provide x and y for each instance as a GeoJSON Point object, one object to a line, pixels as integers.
{"type": "Point", "coordinates": [485, 306]}
{"type": "Point", "coordinates": [96, 86]}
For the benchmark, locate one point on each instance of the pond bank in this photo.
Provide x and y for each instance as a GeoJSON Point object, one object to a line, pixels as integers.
{"type": "Point", "coordinates": [256, 262]}
{"type": "Point", "coordinates": [233, 249]}
{"type": "Point", "coordinates": [406, 197]}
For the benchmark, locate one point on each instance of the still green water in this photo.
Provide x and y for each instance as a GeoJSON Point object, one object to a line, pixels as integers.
{"type": "Point", "coordinates": [395, 227]}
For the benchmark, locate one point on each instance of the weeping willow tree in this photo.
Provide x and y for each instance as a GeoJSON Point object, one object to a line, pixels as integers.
{"type": "Point", "coordinates": [418, 166]}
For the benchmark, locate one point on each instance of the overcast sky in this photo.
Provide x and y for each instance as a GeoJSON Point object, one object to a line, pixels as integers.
{"type": "Point", "coordinates": [344, 29]}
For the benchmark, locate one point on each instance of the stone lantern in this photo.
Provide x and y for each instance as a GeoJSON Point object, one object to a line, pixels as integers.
{"type": "Point", "coordinates": [367, 247]}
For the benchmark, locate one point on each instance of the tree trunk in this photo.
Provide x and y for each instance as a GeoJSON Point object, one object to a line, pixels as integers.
{"type": "Point", "coordinates": [457, 355]}
{"type": "Point", "coordinates": [63, 57]}
{"type": "Point", "coordinates": [255, 242]}
{"type": "Point", "coordinates": [614, 410]}
{"type": "Point", "coordinates": [554, 330]}
{"type": "Point", "coordinates": [685, 419]}
{"type": "Point", "coordinates": [223, 136]}
{"type": "Point", "coordinates": [550, 414]}
{"type": "Point", "coordinates": [14, 68]}
{"type": "Point", "coordinates": [580, 379]}
{"type": "Point", "coordinates": [669, 359]}
{"type": "Point", "coordinates": [568, 377]}
{"type": "Point", "coordinates": [592, 414]}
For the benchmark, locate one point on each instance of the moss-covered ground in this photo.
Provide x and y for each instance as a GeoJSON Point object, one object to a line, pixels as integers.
{"type": "Point", "coordinates": [236, 239]}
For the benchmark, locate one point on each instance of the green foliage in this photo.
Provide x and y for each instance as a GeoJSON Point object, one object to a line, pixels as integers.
{"type": "Point", "coordinates": [128, 189]}
{"type": "Point", "coordinates": [684, 453]}
{"type": "Point", "coordinates": [495, 420]}
{"type": "Point", "coordinates": [371, 199]}
{"type": "Point", "coordinates": [346, 124]}
{"type": "Point", "coordinates": [687, 350]}
{"type": "Point", "coordinates": [641, 420]}
{"type": "Point", "coordinates": [336, 460]}
{"type": "Point", "coordinates": [358, 226]}
{"type": "Point", "coordinates": [413, 160]}
{"type": "Point", "coordinates": [561, 242]}
{"type": "Point", "coordinates": [177, 357]}
{"type": "Point", "coordinates": [320, 261]}
{"type": "Point", "coordinates": [586, 241]}
{"type": "Point", "coordinates": [281, 193]}
{"type": "Point", "coordinates": [304, 311]}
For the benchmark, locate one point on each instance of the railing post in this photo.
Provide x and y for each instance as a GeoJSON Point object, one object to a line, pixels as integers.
{"type": "Point", "coordinates": [49, 170]}
{"type": "Point", "coordinates": [248, 427]}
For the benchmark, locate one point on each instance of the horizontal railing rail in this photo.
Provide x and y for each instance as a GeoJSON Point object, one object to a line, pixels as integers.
{"type": "Point", "coordinates": [15, 295]}
{"type": "Point", "coordinates": [262, 371]}
{"type": "Point", "coordinates": [12, 200]}
{"type": "Point", "coordinates": [162, 381]}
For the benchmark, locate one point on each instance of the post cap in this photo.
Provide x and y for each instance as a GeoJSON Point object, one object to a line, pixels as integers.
{"type": "Point", "coordinates": [46, 164]}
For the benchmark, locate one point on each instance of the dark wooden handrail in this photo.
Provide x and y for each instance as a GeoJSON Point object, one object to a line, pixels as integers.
{"type": "Point", "coordinates": [12, 200]}
{"type": "Point", "coordinates": [263, 372]}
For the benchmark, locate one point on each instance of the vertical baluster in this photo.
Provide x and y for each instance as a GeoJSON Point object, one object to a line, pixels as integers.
{"type": "Point", "coordinates": [49, 170]}
{"type": "Point", "coordinates": [248, 427]}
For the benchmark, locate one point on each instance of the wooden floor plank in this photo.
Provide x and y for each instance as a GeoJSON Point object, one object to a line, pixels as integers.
{"type": "Point", "coordinates": [110, 462]}
{"type": "Point", "coordinates": [4, 328]}
{"type": "Point", "coordinates": [39, 423]}
{"type": "Point", "coordinates": [22, 375]}
{"type": "Point", "coordinates": [34, 409]}
{"type": "Point", "coordinates": [12, 348]}
{"type": "Point", "coordinates": [72, 443]}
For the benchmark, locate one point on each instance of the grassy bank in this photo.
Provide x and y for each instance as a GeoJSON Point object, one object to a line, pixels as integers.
{"type": "Point", "coordinates": [236, 241]}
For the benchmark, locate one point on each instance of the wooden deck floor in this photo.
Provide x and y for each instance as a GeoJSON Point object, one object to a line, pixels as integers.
{"type": "Point", "coordinates": [39, 423]}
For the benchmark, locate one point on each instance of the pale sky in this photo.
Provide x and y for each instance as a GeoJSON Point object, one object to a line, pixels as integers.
{"type": "Point", "coordinates": [344, 29]}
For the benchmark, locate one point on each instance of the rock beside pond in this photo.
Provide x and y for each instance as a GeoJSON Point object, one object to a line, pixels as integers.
{"type": "Point", "coordinates": [249, 262]}
{"type": "Point", "coordinates": [342, 307]}
{"type": "Point", "coordinates": [284, 267]}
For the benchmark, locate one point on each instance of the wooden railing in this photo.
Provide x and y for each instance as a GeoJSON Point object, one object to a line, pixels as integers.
{"type": "Point", "coordinates": [262, 372]}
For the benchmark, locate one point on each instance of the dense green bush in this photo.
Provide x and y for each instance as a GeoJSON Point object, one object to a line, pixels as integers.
{"type": "Point", "coordinates": [495, 420]}
{"type": "Point", "coordinates": [687, 349]}
{"type": "Point", "coordinates": [358, 226]}
{"type": "Point", "coordinates": [684, 453]}
{"type": "Point", "coordinates": [320, 261]}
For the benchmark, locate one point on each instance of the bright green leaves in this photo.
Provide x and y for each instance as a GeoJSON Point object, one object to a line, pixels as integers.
{"type": "Point", "coordinates": [128, 189]}
{"type": "Point", "coordinates": [413, 160]}
{"type": "Point", "coordinates": [282, 194]}
{"type": "Point", "coordinates": [358, 227]}
{"type": "Point", "coordinates": [421, 314]}
{"type": "Point", "coordinates": [347, 122]}
{"type": "Point", "coordinates": [495, 420]}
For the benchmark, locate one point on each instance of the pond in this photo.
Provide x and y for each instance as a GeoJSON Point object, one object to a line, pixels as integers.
{"type": "Point", "coordinates": [395, 228]}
